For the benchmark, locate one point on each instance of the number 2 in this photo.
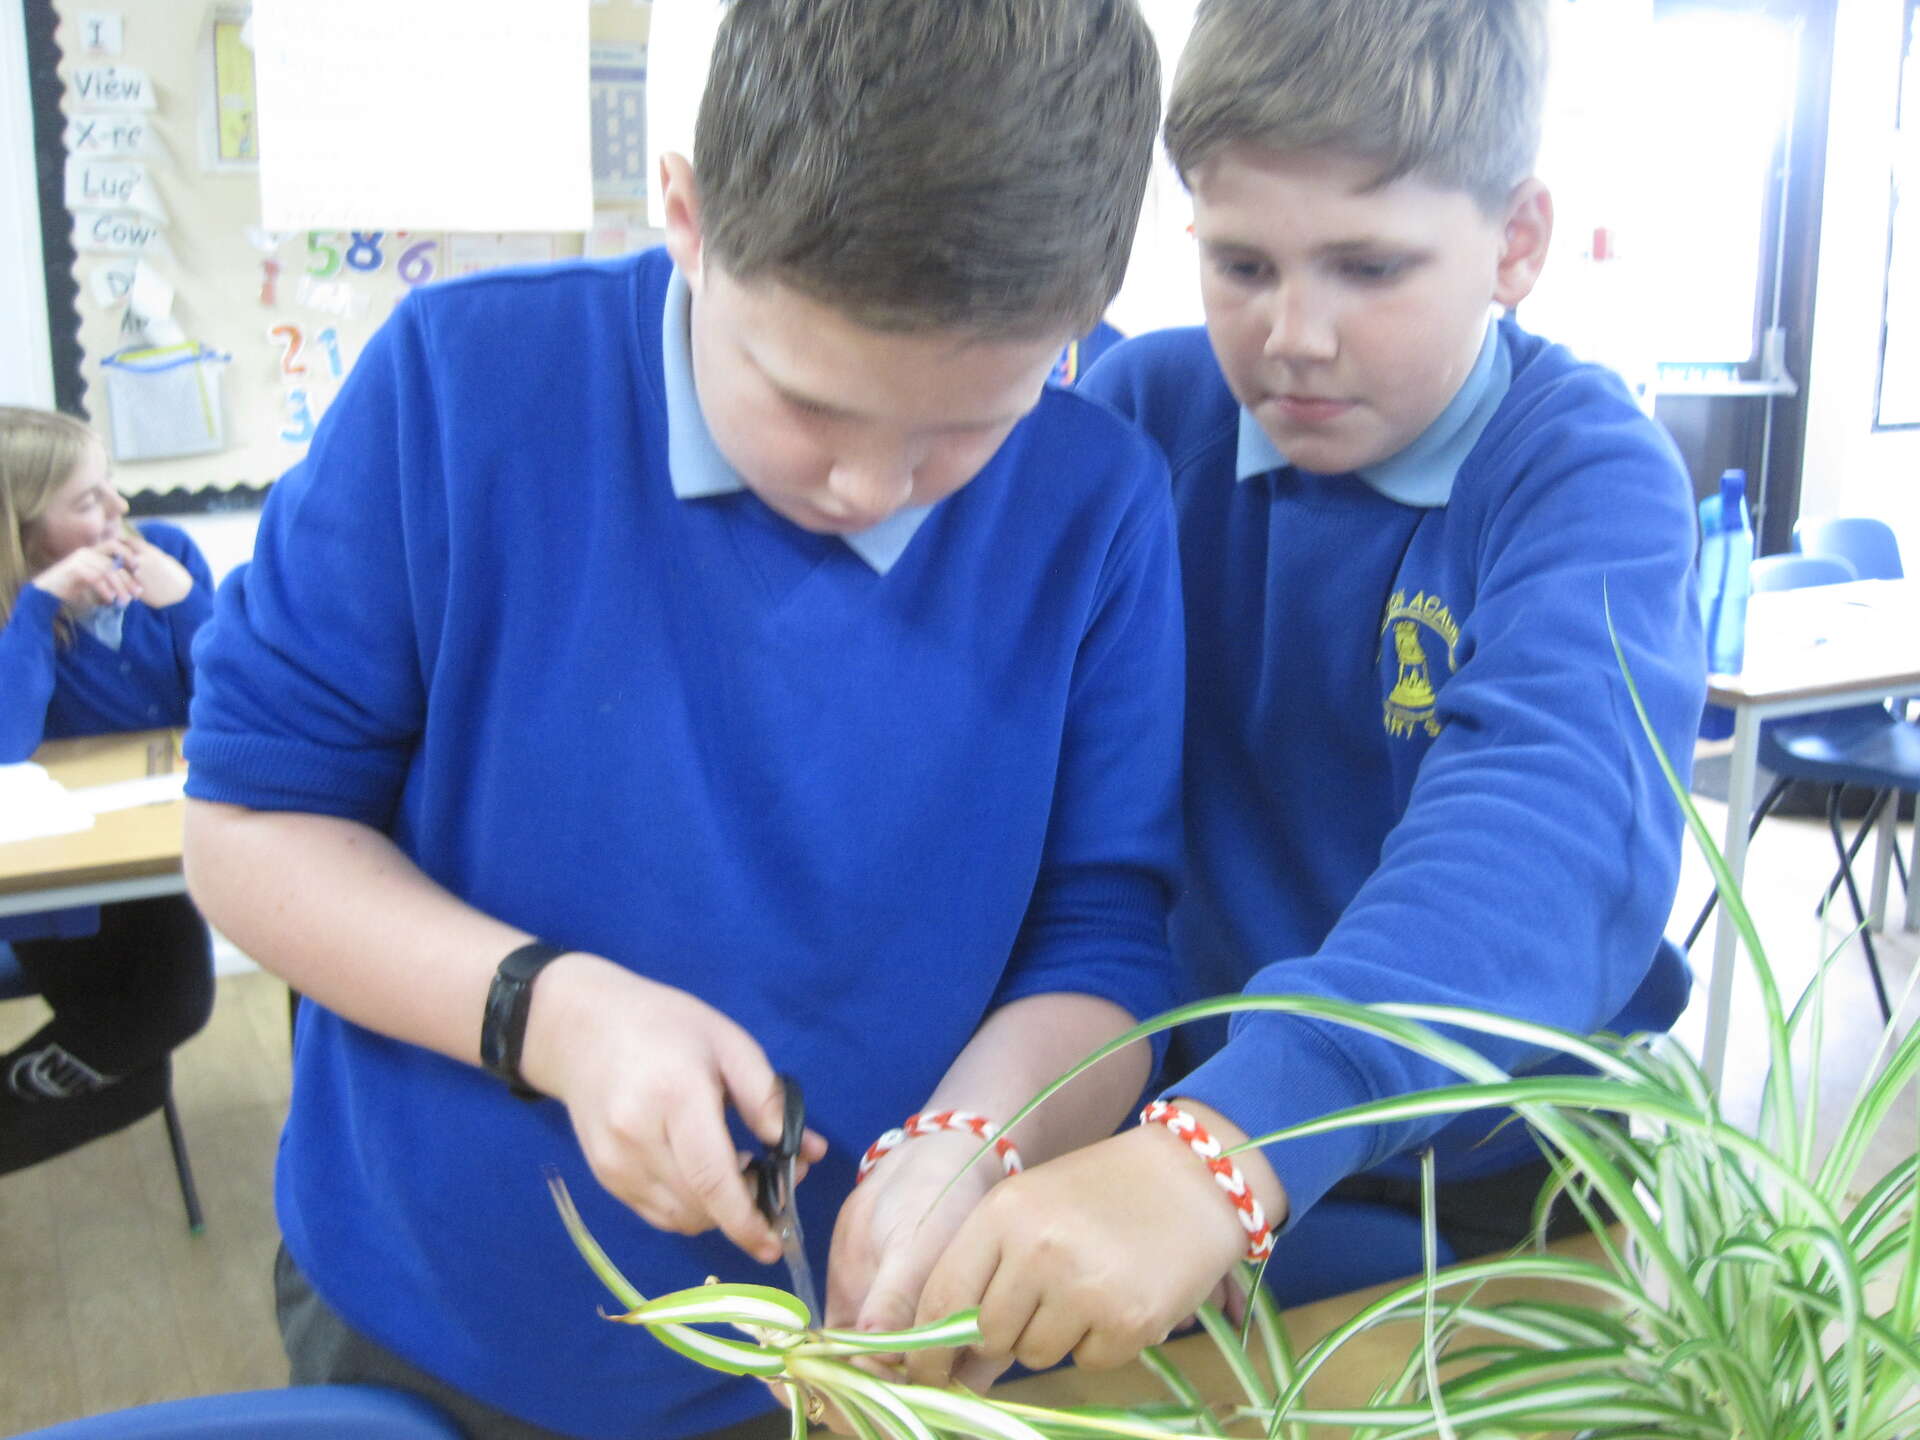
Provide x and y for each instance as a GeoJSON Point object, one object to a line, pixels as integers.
{"type": "Point", "coordinates": [290, 361]}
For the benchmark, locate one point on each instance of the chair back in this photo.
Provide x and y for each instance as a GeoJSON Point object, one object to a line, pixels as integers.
{"type": "Point", "coordinates": [302, 1412]}
{"type": "Point", "coordinates": [1796, 572]}
{"type": "Point", "coordinates": [1863, 542]}
{"type": "Point", "coordinates": [14, 983]}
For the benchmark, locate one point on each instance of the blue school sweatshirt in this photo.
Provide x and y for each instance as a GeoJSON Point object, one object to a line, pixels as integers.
{"type": "Point", "coordinates": [1413, 771]}
{"type": "Point", "coordinates": [856, 801]}
{"type": "Point", "coordinates": [50, 692]}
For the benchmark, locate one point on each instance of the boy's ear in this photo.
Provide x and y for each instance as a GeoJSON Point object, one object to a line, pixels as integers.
{"type": "Point", "coordinates": [1525, 235]}
{"type": "Point", "coordinates": [680, 200]}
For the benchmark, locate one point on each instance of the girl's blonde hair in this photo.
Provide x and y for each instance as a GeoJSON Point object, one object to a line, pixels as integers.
{"type": "Point", "coordinates": [39, 451]}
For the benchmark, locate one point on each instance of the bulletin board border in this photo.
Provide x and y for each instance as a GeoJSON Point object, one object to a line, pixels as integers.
{"type": "Point", "coordinates": [56, 225]}
{"type": "Point", "coordinates": [207, 500]}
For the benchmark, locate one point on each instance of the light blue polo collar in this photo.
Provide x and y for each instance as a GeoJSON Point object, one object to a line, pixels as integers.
{"type": "Point", "coordinates": [1421, 475]}
{"type": "Point", "coordinates": [698, 469]}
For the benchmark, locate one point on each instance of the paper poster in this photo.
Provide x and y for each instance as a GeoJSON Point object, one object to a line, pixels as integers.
{"type": "Point", "coordinates": [619, 232]}
{"type": "Point", "coordinates": [111, 87]}
{"type": "Point", "coordinates": [429, 115]}
{"type": "Point", "coordinates": [109, 135]}
{"type": "Point", "coordinates": [467, 254]}
{"type": "Point", "coordinates": [618, 98]}
{"type": "Point", "coordinates": [235, 130]}
{"type": "Point", "coordinates": [679, 47]}
{"type": "Point", "coordinates": [110, 282]}
{"type": "Point", "coordinates": [116, 232]}
{"type": "Point", "coordinates": [101, 31]}
{"type": "Point", "coordinates": [112, 184]}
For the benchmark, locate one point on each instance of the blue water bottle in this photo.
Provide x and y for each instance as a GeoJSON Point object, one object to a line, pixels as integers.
{"type": "Point", "coordinates": [1726, 612]}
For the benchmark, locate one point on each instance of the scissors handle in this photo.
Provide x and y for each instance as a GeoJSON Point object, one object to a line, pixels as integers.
{"type": "Point", "coordinates": [793, 1126]}
{"type": "Point", "coordinates": [773, 1171]}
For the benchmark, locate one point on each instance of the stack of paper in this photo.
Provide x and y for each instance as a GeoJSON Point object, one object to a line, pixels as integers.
{"type": "Point", "coordinates": [129, 794]}
{"type": "Point", "coordinates": [33, 803]}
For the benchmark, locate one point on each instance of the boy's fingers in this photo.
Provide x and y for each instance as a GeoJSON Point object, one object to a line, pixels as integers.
{"type": "Point", "coordinates": [896, 1285]}
{"type": "Point", "coordinates": [959, 1279]}
{"type": "Point", "coordinates": [755, 1090]}
{"type": "Point", "coordinates": [704, 1157]}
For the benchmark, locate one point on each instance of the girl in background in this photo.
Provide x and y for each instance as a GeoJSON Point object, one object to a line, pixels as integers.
{"type": "Point", "coordinates": [97, 620]}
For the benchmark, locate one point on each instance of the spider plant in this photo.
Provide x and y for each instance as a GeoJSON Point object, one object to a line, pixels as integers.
{"type": "Point", "coordinates": [1737, 1284]}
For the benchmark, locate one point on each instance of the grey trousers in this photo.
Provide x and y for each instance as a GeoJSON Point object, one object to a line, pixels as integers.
{"type": "Point", "coordinates": [323, 1349]}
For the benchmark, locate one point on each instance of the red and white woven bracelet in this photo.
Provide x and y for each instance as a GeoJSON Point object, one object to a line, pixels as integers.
{"type": "Point", "coordinates": [931, 1125]}
{"type": "Point", "coordinates": [1226, 1174]}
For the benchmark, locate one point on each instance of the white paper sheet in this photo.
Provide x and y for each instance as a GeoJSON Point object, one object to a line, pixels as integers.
{"type": "Point", "coordinates": [679, 49]}
{"type": "Point", "coordinates": [130, 794]}
{"type": "Point", "coordinates": [427, 115]}
{"type": "Point", "coordinates": [33, 804]}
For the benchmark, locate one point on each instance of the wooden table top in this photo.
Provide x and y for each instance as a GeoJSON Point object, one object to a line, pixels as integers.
{"type": "Point", "coordinates": [1826, 640]}
{"type": "Point", "coordinates": [123, 844]}
{"type": "Point", "coordinates": [1366, 1361]}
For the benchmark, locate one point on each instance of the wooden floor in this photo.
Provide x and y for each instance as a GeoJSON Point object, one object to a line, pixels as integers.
{"type": "Point", "coordinates": [107, 1301]}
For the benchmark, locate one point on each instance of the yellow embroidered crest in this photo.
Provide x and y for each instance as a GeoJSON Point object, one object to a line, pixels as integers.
{"type": "Point", "coordinates": [1418, 628]}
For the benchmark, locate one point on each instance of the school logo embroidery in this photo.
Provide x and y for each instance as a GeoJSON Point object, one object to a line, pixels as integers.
{"type": "Point", "coordinates": [1419, 629]}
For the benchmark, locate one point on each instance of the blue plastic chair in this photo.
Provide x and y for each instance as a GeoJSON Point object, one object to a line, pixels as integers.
{"type": "Point", "coordinates": [1867, 544]}
{"type": "Point", "coordinates": [1871, 547]}
{"type": "Point", "coordinates": [1860, 745]}
{"type": "Point", "coordinates": [301, 1412]}
{"type": "Point", "coordinates": [15, 984]}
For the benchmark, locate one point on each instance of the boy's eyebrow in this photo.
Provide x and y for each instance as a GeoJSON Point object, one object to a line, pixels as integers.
{"type": "Point", "coordinates": [809, 402]}
{"type": "Point", "coordinates": [840, 412]}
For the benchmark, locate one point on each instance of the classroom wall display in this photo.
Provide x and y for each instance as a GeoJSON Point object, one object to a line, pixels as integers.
{"type": "Point", "coordinates": [208, 347]}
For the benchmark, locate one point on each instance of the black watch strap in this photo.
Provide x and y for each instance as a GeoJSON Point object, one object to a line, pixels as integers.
{"type": "Point", "coordinates": [504, 1028]}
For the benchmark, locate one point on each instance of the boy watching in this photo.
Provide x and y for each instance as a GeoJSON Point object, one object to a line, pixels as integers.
{"type": "Point", "coordinates": [1413, 772]}
{"type": "Point", "coordinates": [744, 623]}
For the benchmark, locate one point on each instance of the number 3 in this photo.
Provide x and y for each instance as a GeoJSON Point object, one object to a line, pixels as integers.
{"type": "Point", "coordinates": [299, 427]}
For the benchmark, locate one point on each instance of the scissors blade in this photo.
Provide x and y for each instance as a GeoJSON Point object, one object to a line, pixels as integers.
{"type": "Point", "coordinates": [774, 1176]}
{"type": "Point", "coordinates": [793, 1246]}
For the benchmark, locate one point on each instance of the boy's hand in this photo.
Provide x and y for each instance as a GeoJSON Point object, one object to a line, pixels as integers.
{"type": "Point", "coordinates": [89, 576]}
{"type": "Point", "coordinates": [646, 1073]}
{"type": "Point", "coordinates": [163, 580]}
{"type": "Point", "coordinates": [1097, 1254]}
{"type": "Point", "coordinates": [897, 1223]}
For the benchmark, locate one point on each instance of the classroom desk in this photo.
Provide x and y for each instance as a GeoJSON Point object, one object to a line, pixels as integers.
{"type": "Point", "coordinates": [127, 855]}
{"type": "Point", "coordinates": [1367, 1360]}
{"type": "Point", "coordinates": [1818, 648]}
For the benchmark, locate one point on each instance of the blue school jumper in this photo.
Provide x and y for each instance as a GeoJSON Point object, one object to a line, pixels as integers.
{"type": "Point", "coordinates": [51, 692]}
{"type": "Point", "coordinates": [854, 794]}
{"type": "Point", "coordinates": [1413, 769]}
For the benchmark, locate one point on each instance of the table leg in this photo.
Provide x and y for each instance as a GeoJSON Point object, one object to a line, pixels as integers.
{"type": "Point", "coordinates": [1741, 770]}
{"type": "Point", "coordinates": [1883, 837]}
{"type": "Point", "coordinates": [1913, 880]}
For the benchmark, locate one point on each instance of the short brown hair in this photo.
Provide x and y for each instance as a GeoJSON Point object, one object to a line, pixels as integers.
{"type": "Point", "coordinates": [1449, 89]}
{"type": "Point", "coordinates": [975, 165]}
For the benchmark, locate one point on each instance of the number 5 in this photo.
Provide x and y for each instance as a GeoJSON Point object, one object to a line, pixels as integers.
{"type": "Point", "coordinates": [321, 268]}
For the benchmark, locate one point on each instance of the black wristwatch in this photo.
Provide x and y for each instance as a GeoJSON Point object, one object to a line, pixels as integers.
{"type": "Point", "coordinates": [504, 1029]}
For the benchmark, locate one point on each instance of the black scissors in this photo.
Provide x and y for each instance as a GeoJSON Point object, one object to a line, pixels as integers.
{"type": "Point", "coordinates": [772, 1177]}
